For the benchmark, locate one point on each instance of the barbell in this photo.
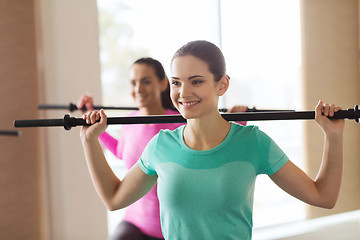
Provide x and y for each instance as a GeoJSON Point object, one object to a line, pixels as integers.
{"type": "Point", "coordinates": [68, 122]}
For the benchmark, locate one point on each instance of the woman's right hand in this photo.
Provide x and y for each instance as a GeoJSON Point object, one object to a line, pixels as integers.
{"type": "Point", "coordinates": [87, 101]}
{"type": "Point", "coordinates": [238, 109]}
{"type": "Point", "coordinates": [96, 128]}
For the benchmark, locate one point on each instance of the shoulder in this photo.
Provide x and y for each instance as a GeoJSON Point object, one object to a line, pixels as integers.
{"type": "Point", "coordinates": [250, 134]}
{"type": "Point", "coordinates": [166, 137]}
{"type": "Point", "coordinates": [238, 129]}
{"type": "Point", "coordinates": [250, 129]}
{"type": "Point", "coordinates": [169, 133]}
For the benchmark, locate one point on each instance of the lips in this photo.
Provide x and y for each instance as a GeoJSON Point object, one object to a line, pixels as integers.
{"type": "Point", "coordinates": [189, 104]}
{"type": "Point", "coordinates": [140, 97]}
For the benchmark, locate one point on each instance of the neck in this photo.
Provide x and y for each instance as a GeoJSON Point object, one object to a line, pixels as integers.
{"type": "Point", "coordinates": [207, 132]}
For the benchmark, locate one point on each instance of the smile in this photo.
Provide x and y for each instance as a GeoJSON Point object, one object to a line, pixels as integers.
{"type": "Point", "coordinates": [140, 97]}
{"type": "Point", "coordinates": [189, 103]}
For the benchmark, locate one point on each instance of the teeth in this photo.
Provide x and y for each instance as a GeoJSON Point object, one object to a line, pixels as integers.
{"type": "Point", "coordinates": [189, 104]}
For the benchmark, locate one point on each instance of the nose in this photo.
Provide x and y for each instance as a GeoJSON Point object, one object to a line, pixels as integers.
{"type": "Point", "coordinates": [185, 91]}
{"type": "Point", "coordinates": [138, 88]}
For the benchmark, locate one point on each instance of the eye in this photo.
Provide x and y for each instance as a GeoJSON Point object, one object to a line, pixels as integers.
{"type": "Point", "coordinates": [146, 81]}
{"type": "Point", "coordinates": [132, 83]}
{"type": "Point", "coordinates": [175, 83]}
{"type": "Point", "coordinates": [197, 81]}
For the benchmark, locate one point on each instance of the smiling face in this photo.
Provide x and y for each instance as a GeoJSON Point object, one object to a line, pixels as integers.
{"type": "Point", "coordinates": [194, 91]}
{"type": "Point", "coordinates": [146, 87]}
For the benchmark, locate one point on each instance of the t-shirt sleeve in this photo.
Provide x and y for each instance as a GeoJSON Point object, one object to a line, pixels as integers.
{"type": "Point", "coordinates": [271, 157]}
{"type": "Point", "coordinates": [146, 159]}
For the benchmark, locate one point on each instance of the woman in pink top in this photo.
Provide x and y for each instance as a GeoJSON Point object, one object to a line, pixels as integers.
{"type": "Point", "coordinates": [150, 90]}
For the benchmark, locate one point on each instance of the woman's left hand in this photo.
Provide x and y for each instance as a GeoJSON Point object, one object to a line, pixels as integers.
{"type": "Point", "coordinates": [330, 127]}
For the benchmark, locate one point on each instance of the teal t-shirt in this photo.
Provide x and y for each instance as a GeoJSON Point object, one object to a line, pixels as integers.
{"type": "Point", "coordinates": [209, 194]}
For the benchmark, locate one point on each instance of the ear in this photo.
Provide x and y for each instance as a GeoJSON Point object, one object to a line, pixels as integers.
{"type": "Point", "coordinates": [223, 85]}
{"type": "Point", "coordinates": [164, 84]}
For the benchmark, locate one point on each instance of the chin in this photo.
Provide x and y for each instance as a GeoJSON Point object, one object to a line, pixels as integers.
{"type": "Point", "coordinates": [141, 103]}
{"type": "Point", "coordinates": [188, 115]}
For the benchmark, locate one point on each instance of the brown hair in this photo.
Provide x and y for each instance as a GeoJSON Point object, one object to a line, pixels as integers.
{"type": "Point", "coordinates": [208, 52]}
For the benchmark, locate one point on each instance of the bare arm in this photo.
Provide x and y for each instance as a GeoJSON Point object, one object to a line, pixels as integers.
{"type": "Point", "coordinates": [324, 190]}
{"type": "Point", "coordinates": [113, 192]}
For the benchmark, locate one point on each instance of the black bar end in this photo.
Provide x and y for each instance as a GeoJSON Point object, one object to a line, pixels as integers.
{"type": "Point", "coordinates": [356, 113]}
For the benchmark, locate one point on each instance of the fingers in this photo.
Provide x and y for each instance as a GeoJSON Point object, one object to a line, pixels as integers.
{"type": "Point", "coordinates": [91, 117]}
{"type": "Point", "coordinates": [86, 117]}
{"type": "Point", "coordinates": [87, 101]}
{"type": "Point", "coordinates": [237, 109]}
{"type": "Point", "coordinates": [331, 127]}
{"type": "Point", "coordinates": [331, 110]}
{"type": "Point", "coordinates": [80, 103]}
{"type": "Point", "coordinates": [97, 124]}
{"type": "Point", "coordinates": [94, 116]}
{"type": "Point", "coordinates": [337, 108]}
{"type": "Point", "coordinates": [326, 109]}
{"type": "Point", "coordinates": [103, 117]}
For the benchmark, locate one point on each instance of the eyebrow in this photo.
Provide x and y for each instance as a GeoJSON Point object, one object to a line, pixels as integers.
{"type": "Point", "coordinates": [189, 78]}
{"type": "Point", "coordinates": [143, 78]}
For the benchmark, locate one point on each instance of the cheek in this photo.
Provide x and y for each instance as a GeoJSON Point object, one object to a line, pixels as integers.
{"type": "Point", "coordinates": [132, 91]}
{"type": "Point", "coordinates": [173, 94]}
{"type": "Point", "coordinates": [210, 94]}
{"type": "Point", "coordinates": [154, 89]}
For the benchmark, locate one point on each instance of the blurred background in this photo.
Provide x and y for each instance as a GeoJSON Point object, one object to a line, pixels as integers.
{"type": "Point", "coordinates": [280, 54]}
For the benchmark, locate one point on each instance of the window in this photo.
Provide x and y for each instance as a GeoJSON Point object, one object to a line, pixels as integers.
{"type": "Point", "coordinates": [261, 43]}
{"type": "Point", "coordinates": [263, 59]}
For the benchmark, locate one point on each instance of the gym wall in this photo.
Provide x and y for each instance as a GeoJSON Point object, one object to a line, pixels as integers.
{"type": "Point", "coordinates": [49, 53]}
{"type": "Point", "coordinates": [22, 203]}
{"type": "Point", "coordinates": [68, 57]}
{"type": "Point", "coordinates": [330, 62]}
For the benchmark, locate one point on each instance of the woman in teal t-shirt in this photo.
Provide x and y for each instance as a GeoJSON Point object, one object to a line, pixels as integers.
{"type": "Point", "coordinates": [206, 169]}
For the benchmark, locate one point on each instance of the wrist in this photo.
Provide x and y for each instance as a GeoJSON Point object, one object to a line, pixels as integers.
{"type": "Point", "coordinates": [89, 138]}
{"type": "Point", "coordinates": [334, 136]}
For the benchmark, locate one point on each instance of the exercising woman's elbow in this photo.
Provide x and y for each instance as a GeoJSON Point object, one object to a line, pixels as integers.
{"type": "Point", "coordinates": [329, 204]}
{"type": "Point", "coordinates": [111, 207]}
{"type": "Point", "coordinates": [115, 205]}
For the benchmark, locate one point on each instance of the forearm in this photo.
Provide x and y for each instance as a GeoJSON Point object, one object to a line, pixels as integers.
{"type": "Point", "coordinates": [114, 193]}
{"type": "Point", "coordinates": [328, 180]}
{"type": "Point", "coordinates": [324, 191]}
{"type": "Point", "coordinates": [109, 142]}
{"type": "Point", "coordinates": [104, 179]}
